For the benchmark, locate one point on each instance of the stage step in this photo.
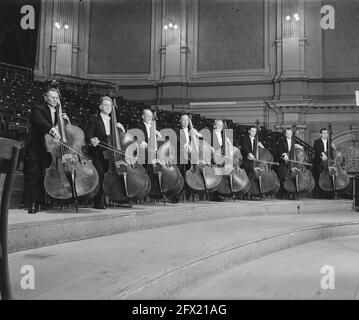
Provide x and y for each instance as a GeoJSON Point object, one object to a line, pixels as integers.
{"type": "Point", "coordinates": [59, 226]}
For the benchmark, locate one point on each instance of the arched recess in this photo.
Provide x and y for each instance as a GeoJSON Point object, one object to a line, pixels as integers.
{"type": "Point", "coordinates": [348, 142]}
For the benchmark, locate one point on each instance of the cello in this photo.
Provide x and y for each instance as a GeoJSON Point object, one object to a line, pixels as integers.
{"type": "Point", "coordinates": [125, 179]}
{"type": "Point", "coordinates": [264, 181]}
{"type": "Point", "coordinates": [333, 178]}
{"type": "Point", "coordinates": [235, 182]}
{"type": "Point", "coordinates": [298, 179]}
{"type": "Point", "coordinates": [71, 174]}
{"type": "Point", "coordinates": [201, 176]}
{"type": "Point", "coordinates": [165, 176]}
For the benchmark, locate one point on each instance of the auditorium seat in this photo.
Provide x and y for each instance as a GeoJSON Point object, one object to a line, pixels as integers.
{"type": "Point", "coordinates": [17, 97]}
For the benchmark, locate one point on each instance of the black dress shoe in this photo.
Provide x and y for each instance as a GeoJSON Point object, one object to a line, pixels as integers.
{"type": "Point", "coordinates": [33, 208]}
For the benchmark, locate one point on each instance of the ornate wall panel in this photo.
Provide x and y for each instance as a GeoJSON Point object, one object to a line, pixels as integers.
{"type": "Point", "coordinates": [230, 35]}
{"type": "Point", "coordinates": [341, 45]}
{"type": "Point", "coordinates": [120, 36]}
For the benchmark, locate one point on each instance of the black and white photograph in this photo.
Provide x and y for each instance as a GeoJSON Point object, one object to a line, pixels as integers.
{"type": "Point", "coordinates": [180, 155]}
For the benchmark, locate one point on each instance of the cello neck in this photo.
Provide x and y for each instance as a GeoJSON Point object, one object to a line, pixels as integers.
{"type": "Point", "coordinates": [194, 140]}
{"type": "Point", "coordinates": [329, 142]}
{"type": "Point", "coordinates": [256, 139]}
{"type": "Point", "coordinates": [294, 128]}
{"type": "Point", "coordinates": [225, 145]}
{"type": "Point", "coordinates": [61, 122]}
{"type": "Point", "coordinates": [115, 136]}
{"type": "Point", "coordinates": [153, 140]}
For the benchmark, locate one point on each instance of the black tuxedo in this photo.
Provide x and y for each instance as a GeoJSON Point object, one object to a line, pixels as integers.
{"type": "Point", "coordinates": [247, 146]}
{"type": "Point", "coordinates": [283, 166]}
{"type": "Point", "coordinates": [246, 150]}
{"type": "Point", "coordinates": [317, 160]}
{"type": "Point", "coordinates": [36, 159]}
{"type": "Point", "coordinates": [318, 164]}
{"type": "Point", "coordinates": [216, 144]}
{"type": "Point", "coordinates": [96, 128]}
{"type": "Point", "coordinates": [181, 153]}
{"type": "Point", "coordinates": [142, 127]}
{"type": "Point", "coordinates": [283, 148]}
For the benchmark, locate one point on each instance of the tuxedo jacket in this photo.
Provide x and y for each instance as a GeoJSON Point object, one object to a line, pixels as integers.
{"type": "Point", "coordinates": [96, 128]}
{"type": "Point", "coordinates": [319, 148]}
{"type": "Point", "coordinates": [247, 146]}
{"type": "Point", "coordinates": [283, 148]}
{"type": "Point", "coordinates": [317, 160]}
{"type": "Point", "coordinates": [181, 141]}
{"type": "Point", "coordinates": [215, 141]}
{"type": "Point", "coordinates": [41, 124]}
{"type": "Point", "coordinates": [142, 127]}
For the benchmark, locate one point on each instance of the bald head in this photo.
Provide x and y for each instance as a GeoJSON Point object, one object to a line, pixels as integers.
{"type": "Point", "coordinates": [218, 124]}
{"type": "Point", "coordinates": [147, 115]}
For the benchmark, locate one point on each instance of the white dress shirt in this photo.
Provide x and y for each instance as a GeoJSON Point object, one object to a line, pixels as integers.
{"type": "Point", "coordinates": [219, 137]}
{"type": "Point", "coordinates": [106, 120]}
{"type": "Point", "coordinates": [53, 111]}
{"type": "Point", "coordinates": [148, 128]}
{"type": "Point", "coordinates": [185, 130]}
{"type": "Point", "coordinates": [325, 145]}
{"type": "Point", "coordinates": [252, 141]}
{"type": "Point", "coordinates": [289, 141]}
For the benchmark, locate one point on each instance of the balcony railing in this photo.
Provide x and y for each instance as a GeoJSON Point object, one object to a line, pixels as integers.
{"type": "Point", "coordinates": [14, 72]}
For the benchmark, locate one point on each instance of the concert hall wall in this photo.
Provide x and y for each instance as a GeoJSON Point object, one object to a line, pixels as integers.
{"type": "Point", "coordinates": [341, 46]}
{"type": "Point", "coordinates": [120, 37]}
{"type": "Point", "coordinates": [230, 35]}
{"type": "Point", "coordinates": [238, 59]}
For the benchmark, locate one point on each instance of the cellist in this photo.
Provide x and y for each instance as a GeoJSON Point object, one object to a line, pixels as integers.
{"type": "Point", "coordinates": [249, 148]}
{"type": "Point", "coordinates": [184, 150]}
{"type": "Point", "coordinates": [321, 148]}
{"type": "Point", "coordinates": [145, 125]}
{"type": "Point", "coordinates": [217, 149]}
{"type": "Point", "coordinates": [286, 150]}
{"type": "Point", "coordinates": [43, 121]}
{"type": "Point", "coordinates": [99, 129]}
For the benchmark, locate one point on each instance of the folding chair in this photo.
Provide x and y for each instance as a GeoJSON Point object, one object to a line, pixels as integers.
{"type": "Point", "coordinates": [9, 155]}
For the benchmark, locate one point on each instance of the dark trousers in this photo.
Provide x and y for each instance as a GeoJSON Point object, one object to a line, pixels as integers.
{"type": "Point", "coordinates": [282, 171]}
{"type": "Point", "coordinates": [101, 167]}
{"type": "Point", "coordinates": [186, 191]}
{"type": "Point", "coordinates": [318, 192]}
{"type": "Point", "coordinates": [34, 166]}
